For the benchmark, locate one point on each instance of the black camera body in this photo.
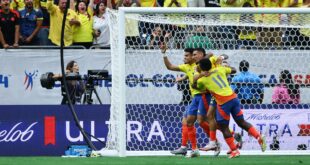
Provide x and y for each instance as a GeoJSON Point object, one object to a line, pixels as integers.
{"type": "Point", "coordinates": [48, 81]}
{"type": "Point", "coordinates": [78, 85]}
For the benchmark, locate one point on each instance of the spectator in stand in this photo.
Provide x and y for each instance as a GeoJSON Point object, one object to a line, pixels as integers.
{"type": "Point", "coordinates": [196, 3]}
{"type": "Point", "coordinates": [199, 39]}
{"type": "Point", "coordinates": [291, 3]}
{"type": "Point", "coordinates": [298, 37]}
{"type": "Point", "coordinates": [177, 31]}
{"type": "Point", "coordinates": [132, 26]}
{"type": "Point", "coordinates": [56, 16]}
{"type": "Point", "coordinates": [247, 34]}
{"type": "Point", "coordinates": [228, 33]}
{"type": "Point", "coordinates": [146, 3]}
{"type": "Point", "coordinates": [9, 26]}
{"type": "Point", "coordinates": [44, 30]}
{"type": "Point", "coordinates": [101, 24]}
{"type": "Point", "coordinates": [157, 37]}
{"type": "Point", "coordinates": [269, 37]}
{"type": "Point", "coordinates": [145, 28]}
{"type": "Point", "coordinates": [231, 3]}
{"type": "Point", "coordinates": [17, 5]}
{"type": "Point", "coordinates": [175, 3]}
{"type": "Point", "coordinates": [83, 34]}
{"type": "Point", "coordinates": [304, 35]}
{"type": "Point", "coordinates": [30, 24]}
{"type": "Point", "coordinates": [286, 92]}
{"type": "Point", "coordinates": [248, 85]}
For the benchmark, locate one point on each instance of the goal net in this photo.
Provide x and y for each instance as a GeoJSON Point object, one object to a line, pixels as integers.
{"type": "Point", "coordinates": [147, 105]}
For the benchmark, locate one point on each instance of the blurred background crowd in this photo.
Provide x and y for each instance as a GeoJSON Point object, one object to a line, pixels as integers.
{"type": "Point", "coordinates": [38, 22]}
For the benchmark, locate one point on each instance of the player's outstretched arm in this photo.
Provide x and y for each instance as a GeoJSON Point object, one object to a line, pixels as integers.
{"type": "Point", "coordinates": [221, 58]}
{"type": "Point", "coordinates": [198, 76]}
{"type": "Point", "coordinates": [167, 62]}
{"type": "Point", "coordinates": [224, 56]}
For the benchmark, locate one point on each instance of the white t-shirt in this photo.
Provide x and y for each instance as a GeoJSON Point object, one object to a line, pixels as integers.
{"type": "Point", "coordinates": [102, 24]}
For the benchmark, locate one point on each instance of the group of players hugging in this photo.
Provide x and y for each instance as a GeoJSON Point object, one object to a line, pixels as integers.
{"type": "Point", "coordinates": [213, 101]}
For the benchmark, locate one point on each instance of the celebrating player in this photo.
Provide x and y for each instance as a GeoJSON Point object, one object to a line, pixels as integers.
{"type": "Point", "coordinates": [190, 116]}
{"type": "Point", "coordinates": [213, 144]}
{"type": "Point", "coordinates": [227, 103]}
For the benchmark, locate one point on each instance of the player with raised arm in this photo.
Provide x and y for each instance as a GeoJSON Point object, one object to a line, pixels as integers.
{"type": "Point", "coordinates": [227, 103]}
{"type": "Point", "coordinates": [188, 67]}
{"type": "Point", "coordinates": [190, 115]}
{"type": "Point", "coordinates": [213, 144]}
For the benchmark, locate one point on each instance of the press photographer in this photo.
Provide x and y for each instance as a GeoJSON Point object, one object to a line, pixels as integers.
{"type": "Point", "coordinates": [76, 88]}
{"type": "Point", "coordinates": [80, 87]}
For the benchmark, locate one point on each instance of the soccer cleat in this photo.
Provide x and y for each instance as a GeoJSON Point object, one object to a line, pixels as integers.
{"type": "Point", "coordinates": [179, 151]}
{"type": "Point", "coordinates": [237, 145]}
{"type": "Point", "coordinates": [218, 148]}
{"type": "Point", "coordinates": [234, 154]}
{"type": "Point", "coordinates": [238, 139]}
{"type": "Point", "coordinates": [192, 154]}
{"type": "Point", "coordinates": [208, 147]}
{"type": "Point", "coordinates": [262, 143]}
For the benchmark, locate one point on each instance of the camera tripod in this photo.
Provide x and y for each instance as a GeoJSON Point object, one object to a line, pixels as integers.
{"type": "Point", "coordinates": [90, 89]}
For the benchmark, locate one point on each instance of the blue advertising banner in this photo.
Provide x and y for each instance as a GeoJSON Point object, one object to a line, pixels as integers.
{"type": "Point", "coordinates": [35, 130]}
{"type": "Point", "coordinates": [48, 130]}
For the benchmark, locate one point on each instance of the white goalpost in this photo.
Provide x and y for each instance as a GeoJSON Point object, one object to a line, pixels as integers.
{"type": "Point", "coordinates": [146, 113]}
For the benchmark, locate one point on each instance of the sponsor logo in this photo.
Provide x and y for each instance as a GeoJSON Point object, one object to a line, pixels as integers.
{"type": "Point", "coordinates": [260, 116]}
{"type": "Point", "coordinates": [49, 130]}
{"type": "Point", "coordinates": [17, 134]}
{"type": "Point", "coordinates": [157, 80]}
{"type": "Point", "coordinates": [29, 77]}
{"type": "Point", "coordinates": [4, 81]}
{"type": "Point", "coordinates": [75, 135]}
{"type": "Point", "coordinates": [135, 131]}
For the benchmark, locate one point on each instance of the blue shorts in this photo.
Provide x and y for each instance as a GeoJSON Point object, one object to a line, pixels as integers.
{"type": "Point", "coordinates": [206, 101]}
{"type": "Point", "coordinates": [199, 105]}
{"type": "Point", "coordinates": [185, 112]}
{"type": "Point", "coordinates": [232, 107]}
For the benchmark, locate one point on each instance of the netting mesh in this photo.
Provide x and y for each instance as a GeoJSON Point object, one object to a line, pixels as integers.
{"type": "Point", "coordinates": [270, 49]}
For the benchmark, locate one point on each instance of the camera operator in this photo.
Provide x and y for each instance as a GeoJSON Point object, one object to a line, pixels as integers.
{"type": "Point", "coordinates": [76, 88]}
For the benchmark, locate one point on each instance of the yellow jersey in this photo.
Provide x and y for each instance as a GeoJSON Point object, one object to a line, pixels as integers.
{"type": "Point", "coordinates": [183, 3]}
{"type": "Point", "coordinates": [84, 32]}
{"type": "Point", "coordinates": [148, 3]}
{"type": "Point", "coordinates": [269, 18]}
{"type": "Point", "coordinates": [217, 84]}
{"type": "Point", "coordinates": [189, 70]}
{"type": "Point", "coordinates": [213, 60]}
{"type": "Point", "coordinates": [17, 5]}
{"type": "Point", "coordinates": [287, 3]}
{"type": "Point", "coordinates": [56, 17]}
{"type": "Point", "coordinates": [231, 17]}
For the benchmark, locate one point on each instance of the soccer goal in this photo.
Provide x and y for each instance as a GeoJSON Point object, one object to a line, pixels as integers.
{"type": "Point", "coordinates": [147, 105]}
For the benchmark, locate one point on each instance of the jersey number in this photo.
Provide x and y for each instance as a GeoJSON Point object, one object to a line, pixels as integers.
{"type": "Point", "coordinates": [219, 81]}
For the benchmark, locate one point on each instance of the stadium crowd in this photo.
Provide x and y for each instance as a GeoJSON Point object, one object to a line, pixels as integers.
{"type": "Point", "coordinates": [37, 22]}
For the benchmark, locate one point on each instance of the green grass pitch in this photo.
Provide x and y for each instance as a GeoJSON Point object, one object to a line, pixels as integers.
{"type": "Point", "coordinates": [159, 160]}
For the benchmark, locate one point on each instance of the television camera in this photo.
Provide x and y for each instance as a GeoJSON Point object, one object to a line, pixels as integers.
{"type": "Point", "coordinates": [90, 80]}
